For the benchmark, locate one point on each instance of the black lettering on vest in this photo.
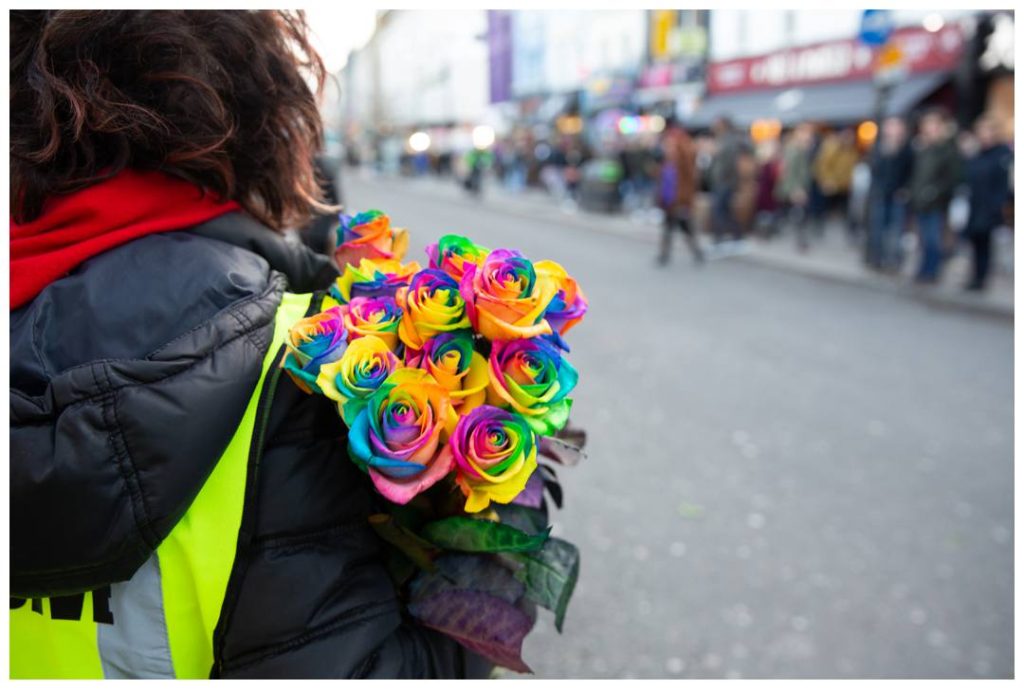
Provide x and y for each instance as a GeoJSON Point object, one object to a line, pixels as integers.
{"type": "Point", "coordinates": [70, 607]}
{"type": "Point", "coordinates": [67, 607]}
{"type": "Point", "coordinates": [101, 613]}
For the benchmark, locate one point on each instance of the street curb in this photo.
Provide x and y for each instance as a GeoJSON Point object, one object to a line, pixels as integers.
{"type": "Point", "coordinates": [649, 235]}
{"type": "Point", "coordinates": [923, 295]}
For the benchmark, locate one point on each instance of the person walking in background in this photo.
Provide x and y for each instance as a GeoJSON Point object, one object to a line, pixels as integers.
{"type": "Point", "coordinates": [891, 163]}
{"type": "Point", "coordinates": [936, 172]}
{"type": "Point", "coordinates": [988, 183]}
{"type": "Point", "coordinates": [767, 208]}
{"type": "Point", "coordinates": [794, 186]}
{"type": "Point", "coordinates": [677, 187]}
{"type": "Point", "coordinates": [730, 145]}
{"type": "Point", "coordinates": [833, 169]}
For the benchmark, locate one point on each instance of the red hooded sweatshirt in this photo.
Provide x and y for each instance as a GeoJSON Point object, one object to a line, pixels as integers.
{"type": "Point", "coordinates": [75, 227]}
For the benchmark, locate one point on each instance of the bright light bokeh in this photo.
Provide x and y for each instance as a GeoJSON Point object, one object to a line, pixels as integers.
{"type": "Point", "coordinates": [483, 136]}
{"type": "Point", "coordinates": [933, 22]}
{"type": "Point", "coordinates": [419, 142]}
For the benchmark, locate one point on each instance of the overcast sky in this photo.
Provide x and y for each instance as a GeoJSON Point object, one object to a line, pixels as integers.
{"type": "Point", "coordinates": [337, 31]}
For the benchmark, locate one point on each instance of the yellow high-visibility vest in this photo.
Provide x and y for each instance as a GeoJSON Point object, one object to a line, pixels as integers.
{"type": "Point", "coordinates": [160, 623]}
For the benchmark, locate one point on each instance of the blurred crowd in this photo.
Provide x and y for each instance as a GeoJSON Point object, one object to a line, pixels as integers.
{"type": "Point", "coordinates": [920, 181]}
{"type": "Point", "coordinates": [908, 187]}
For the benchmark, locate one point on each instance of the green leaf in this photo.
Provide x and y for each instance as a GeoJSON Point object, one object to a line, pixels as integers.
{"type": "Point", "coordinates": [411, 545]}
{"type": "Point", "coordinates": [481, 536]}
{"type": "Point", "coordinates": [550, 576]}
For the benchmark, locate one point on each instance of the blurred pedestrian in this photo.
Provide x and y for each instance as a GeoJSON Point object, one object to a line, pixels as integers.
{"type": "Point", "coordinates": [988, 182]}
{"type": "Point", "coordinates": [677, 187]}
{"type": "Point", "coordinates": [161, 470]}
{"type": "Point", "coordinates": [891, 163]}
{"type": "Point", "coordinates": [833, 170]}
{"type": "Point", "coordinates": [794, 185]}
{"type": "Point", "coordinates": [936, 173]}
{"type": "Point", "coordinates": [766, 219]}
{"type": "Point", "coordinates": [730, 145]}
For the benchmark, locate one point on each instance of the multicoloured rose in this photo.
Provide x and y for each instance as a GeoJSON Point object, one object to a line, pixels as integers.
{"type": "Point", "coordinates": [431, 305]}
{"type": "Point", "coordinates": [532, 378]}
{"type": "Point", "coordinates": [313, 342]}
{"type": "Point", "coordinates": [361, 370]}
{"type": "Point", "coordinates": [369, 235]}
{"type": "Point", "coordinates": [452, 252]}
{"type": "Point", "coordinates": [456, 366]}
{"type": "Point", "coordinates": [400, 436]}
{"type": "Point", "coordinates": [495, 453]}
{"type": "Point", "coordinates": [505, 296]}
{"type": "Point", "coordinates": [377, 316]}
{"type": "Point", "coordinates": [569, 304]}
{"type": "Point", "coordinates": [380, 278]}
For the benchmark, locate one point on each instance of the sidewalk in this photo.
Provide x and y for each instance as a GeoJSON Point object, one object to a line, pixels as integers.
{"type": "Point", "coordinates": [830, 258]}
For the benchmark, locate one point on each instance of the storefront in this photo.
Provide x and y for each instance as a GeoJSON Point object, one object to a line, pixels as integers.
{"type": "Point", "coordinates": [830, 83]}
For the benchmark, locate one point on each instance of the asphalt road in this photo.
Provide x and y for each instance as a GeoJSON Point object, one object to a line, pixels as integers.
{"type": "Point", "coordinates": [786, 478]}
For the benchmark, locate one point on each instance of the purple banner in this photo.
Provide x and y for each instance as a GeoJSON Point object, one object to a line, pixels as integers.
{"type": "Point", "coordinates": [499, 42]}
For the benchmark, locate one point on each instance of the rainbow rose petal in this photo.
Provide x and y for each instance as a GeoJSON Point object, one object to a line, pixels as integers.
{"type": "Point", "coordinates": [400, 436]}
{"type": "Point", "coordinates": [368, 235]}
{"type": "Point", "coordinates": [452, 252]}
{"type": "Point", "coordinates": [495, 452]}
{"type": "Point", "coordinates": [431, 304]}
{"type": "Point", "coordinates": [377, 316]}
{"type": "Point", "coordinates": [569, 304]}
{"type": "Point", "coordinates": [362, 369]}
{"type": "Point", "coordinates": [506, 298]}
{"type": "Point", "coordinates": [451, 359]}
{"type": "Point", "coordinates": [380, 278]}
{"type": "Point", "coordinates": [313, 342]}
{"type": "Point", "coordinates": [532, 378]}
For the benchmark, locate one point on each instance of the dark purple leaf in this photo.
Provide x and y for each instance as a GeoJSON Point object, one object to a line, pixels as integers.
{"type": "Point", "coordinates": [460, 571]}
{"type": "Point", "coordinates": [554, 489]}
{"type": "Point", "coordinates": [479, 621]}
{"type": "Point", "coordinates": [533, 494]}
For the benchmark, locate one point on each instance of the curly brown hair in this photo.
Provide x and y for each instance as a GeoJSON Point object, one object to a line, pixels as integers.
{"type": "Point", "coordinates": [218, 98]}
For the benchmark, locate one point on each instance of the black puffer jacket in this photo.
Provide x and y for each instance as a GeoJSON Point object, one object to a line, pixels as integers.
{"type": "Point", "coordinates": [128, 379]}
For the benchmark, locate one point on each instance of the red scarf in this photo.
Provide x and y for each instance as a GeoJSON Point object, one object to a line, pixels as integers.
{"type": "Point", "coordinates": [78, 226]}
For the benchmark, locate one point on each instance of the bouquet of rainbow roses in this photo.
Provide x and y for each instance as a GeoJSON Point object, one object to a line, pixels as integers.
{"type": "Point", "coordinates": [452, 382]}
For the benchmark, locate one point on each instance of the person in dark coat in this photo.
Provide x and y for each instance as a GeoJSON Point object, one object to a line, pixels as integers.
{"type": "Point", "coordinates": [891, 164]}
{"type": "Point", "coordinates": [988, 183]}
{"type": "Point", "coordinates": [724, 177]}
{"type": "Point", "coordinates": [155, 159]}
{"type": "Point", "coordinates": [677, 187]}
{"type": "Point", "coordinates": [936, 173]}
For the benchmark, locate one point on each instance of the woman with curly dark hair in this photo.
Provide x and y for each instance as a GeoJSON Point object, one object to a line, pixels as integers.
{"type": "Point", "coordinates": [174, 512]}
